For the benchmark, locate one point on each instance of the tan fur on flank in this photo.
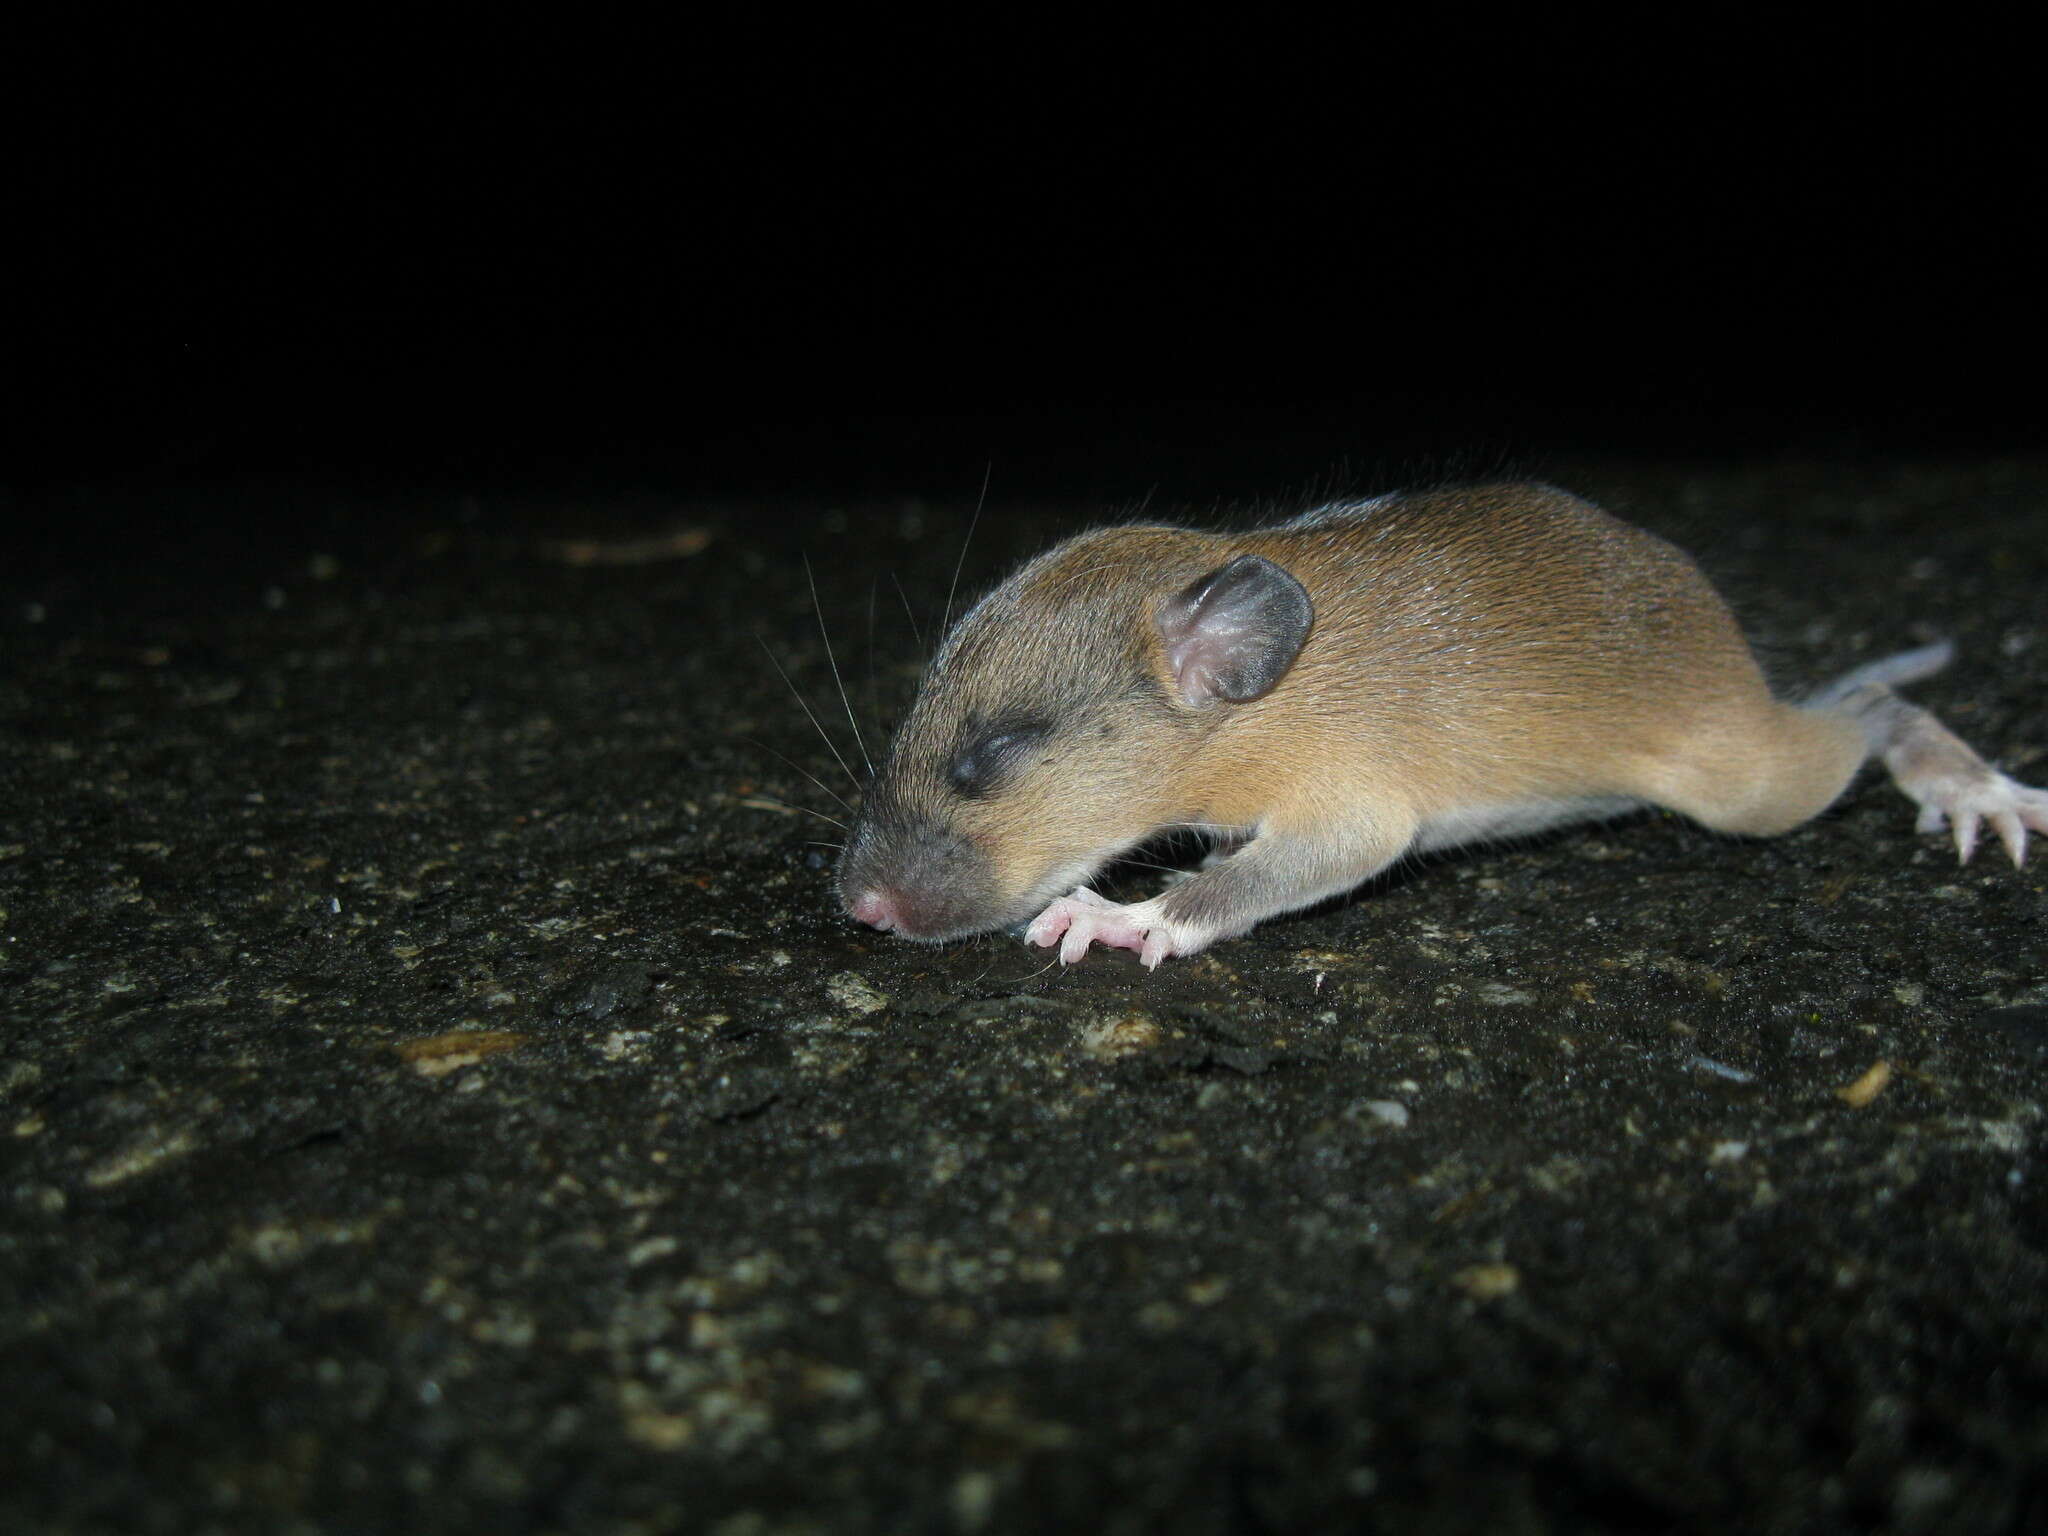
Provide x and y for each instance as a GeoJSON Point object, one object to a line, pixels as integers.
{"type": "Point", "coordinates": [1480, 662]}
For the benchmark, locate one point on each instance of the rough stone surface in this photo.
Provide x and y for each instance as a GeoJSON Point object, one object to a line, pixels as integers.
{"type": "Point", "coordinates": [438, 1092]}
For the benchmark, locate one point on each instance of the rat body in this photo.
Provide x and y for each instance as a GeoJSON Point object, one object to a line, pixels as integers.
{"type": "Point", "coordinates": [1369, 680]}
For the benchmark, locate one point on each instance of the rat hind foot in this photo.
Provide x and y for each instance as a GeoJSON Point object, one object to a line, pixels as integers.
{"type": "Point", "coordinates": [2011, 808]}
{"type": "Point", "coordinates": [1963, 794]}
{"type": "Point", "coordinates": [1951, 784]}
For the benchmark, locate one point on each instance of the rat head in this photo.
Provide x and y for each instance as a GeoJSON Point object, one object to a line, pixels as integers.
{"type": "Point", "coordinates": [1059, 726]}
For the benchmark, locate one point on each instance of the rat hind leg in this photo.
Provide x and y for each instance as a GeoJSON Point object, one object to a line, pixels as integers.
{"type": "Point", "coordinates": [1764, 772]}
{"type": "Point", "coordinates": [1776, 764]}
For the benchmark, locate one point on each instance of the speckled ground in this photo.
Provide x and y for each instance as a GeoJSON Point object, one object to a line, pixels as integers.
{"type": "Point", "coordinates": [437, 1091]}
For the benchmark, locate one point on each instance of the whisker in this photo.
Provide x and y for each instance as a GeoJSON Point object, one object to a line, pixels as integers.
{"type": "Point", "coordinates": [874, 684]}
{"type": "Point", "coordinates": [1164, 869]}
{"type": "Point", "coordinates": [1029, 975]}
{"type": "Point", "coordinates": [910, 613]}
{"type": "Point", "coordinates": [833, 662]}
{"type": "Point", "coordinates": [851, 777]}
{"type": "Point", "coordinates": [799, 767]}
{"type": "Point", "coordinates": [769, 803]}
{"type": "Point", "coordinates": [972, 523]}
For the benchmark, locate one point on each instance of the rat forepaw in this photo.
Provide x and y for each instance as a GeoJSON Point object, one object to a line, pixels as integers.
{"type": "Point", "coordinates": [1082, 918]}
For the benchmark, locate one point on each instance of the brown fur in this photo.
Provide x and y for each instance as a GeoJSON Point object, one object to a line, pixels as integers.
{"type": "Point", "coordinates": [1507, 646]}
{"type": "Point", "coordinates": [1515, 640]}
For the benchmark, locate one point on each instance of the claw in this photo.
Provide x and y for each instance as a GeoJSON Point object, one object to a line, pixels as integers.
{"type": "Point", "coordinates": [1046, 927]}
{"type": "Point", "coordinates": [2013, 833]}
{"type": "Point", "coordinates": [2012, 811]}
{"type": "Point", "coordinates": [1081, 918]}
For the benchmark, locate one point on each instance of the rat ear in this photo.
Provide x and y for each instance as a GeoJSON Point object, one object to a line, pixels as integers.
{"type": "Point", "coordinates": [1233, 634]}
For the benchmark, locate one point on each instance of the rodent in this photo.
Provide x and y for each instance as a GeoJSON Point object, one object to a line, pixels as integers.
{"type": "Point", "coordinates": [1324, 696]}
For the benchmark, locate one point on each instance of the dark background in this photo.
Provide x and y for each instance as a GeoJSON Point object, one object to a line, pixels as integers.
{"type": "Point", "coordinates": [319, 751]}
{"type": "Point", "coordinates": [699, 264]}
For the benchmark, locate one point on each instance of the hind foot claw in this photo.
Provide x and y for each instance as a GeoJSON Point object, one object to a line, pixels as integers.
{"type": "Point", "coordinates": [2010, 808]}
{"type": "Point", "coordinates": [1956, 788]}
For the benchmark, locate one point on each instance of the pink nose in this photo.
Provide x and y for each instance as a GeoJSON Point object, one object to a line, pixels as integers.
{"type": "Point", "coordinates": [878, 909]}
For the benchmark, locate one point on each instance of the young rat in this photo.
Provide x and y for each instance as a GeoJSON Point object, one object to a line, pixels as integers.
{"type": "Point", "coordinates": [1373, 679]}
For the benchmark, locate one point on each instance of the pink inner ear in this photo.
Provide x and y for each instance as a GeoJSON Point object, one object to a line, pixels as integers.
{"type": "Point", "coordinates": [1197, 655]}
{"type": "Point", "coordinates": [1234, 633]}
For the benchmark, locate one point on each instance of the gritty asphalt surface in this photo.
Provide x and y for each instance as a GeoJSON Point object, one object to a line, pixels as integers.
{"type": "Point", "coordinates": [439, 1093]}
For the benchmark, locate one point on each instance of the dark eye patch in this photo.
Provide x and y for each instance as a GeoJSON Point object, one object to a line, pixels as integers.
{"type": "Point", "coordinates": [990, 752]}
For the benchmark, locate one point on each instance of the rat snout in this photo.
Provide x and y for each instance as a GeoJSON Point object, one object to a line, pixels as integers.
{"type": "Point", "coordinates": [879, 908]}
{"type": "Point", "coordinates": [918, 879]}
{"type": "Point", "coordinates": [899, 910]}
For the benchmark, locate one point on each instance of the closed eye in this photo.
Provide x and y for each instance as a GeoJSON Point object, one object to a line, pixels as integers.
{"type": "Point", "coordinates": [980, 765]}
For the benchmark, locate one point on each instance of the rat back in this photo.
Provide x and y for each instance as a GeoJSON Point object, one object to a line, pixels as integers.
{"type": "Point", "coordinates": [1478, 648]}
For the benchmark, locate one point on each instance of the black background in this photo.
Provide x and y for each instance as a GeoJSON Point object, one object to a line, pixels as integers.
{"type": "Point", "coordinates": [869, 261]}
{"type": "Point", "coordinates": [285, 793]}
